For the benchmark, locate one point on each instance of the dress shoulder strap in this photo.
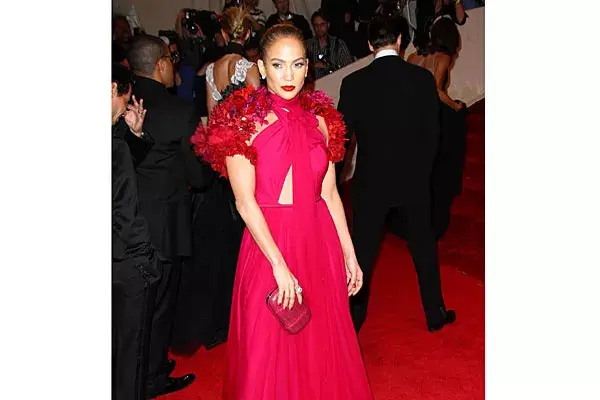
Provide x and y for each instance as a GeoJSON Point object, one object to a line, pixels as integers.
{"type": "Point", "coordinates": [241, 69]}
{"type": "Point", "coordinates": [210, 78]}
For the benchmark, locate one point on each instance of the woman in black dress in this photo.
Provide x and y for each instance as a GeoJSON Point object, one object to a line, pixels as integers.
{"type": "Point", "coordinates": [207, 282]}
{"type": "Point", "coordinates": [438, 57]}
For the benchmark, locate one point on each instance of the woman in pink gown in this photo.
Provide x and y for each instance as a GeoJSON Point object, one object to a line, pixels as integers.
{"type": "Point", "coordinates": [277, 146]}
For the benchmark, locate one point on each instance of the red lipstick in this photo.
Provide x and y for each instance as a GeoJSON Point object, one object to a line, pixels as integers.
{"type": "Point", "coordinates": [288, 88]}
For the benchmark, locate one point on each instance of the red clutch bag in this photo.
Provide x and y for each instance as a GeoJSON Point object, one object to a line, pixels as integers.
{"type": "Point", "coordinates": [293, 320]}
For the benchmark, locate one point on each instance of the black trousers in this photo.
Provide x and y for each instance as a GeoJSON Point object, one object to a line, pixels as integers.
{"type": "Point", "coordinates": [133, 295]}
{"type": "Point", "coordinates": [368, 225]}
{"type": "Point", "coordinates": [162, 325]}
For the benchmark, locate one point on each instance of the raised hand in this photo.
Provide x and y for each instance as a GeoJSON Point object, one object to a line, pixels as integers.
{"type": "Point", "coordinates": [134, 116]}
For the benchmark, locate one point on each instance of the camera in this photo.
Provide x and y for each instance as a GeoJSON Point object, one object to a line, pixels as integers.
{"type": "Point", "coordinates": [190, 21]}
{"type": "Point", "coordinates": [391, 8]}
{"type": "Point", "coordinates": [208, 21]}
{"type": "Point", "coordinates": [285, 18]}
{"type": "Point", "coordinates": [329, 67]}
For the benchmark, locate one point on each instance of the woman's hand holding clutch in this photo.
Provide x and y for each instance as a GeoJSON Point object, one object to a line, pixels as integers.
{"type": "Point", "coordinates": [287, 284]}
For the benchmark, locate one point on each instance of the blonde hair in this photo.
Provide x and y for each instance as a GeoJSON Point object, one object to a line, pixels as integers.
{"type": "Point", "coordinates": [235, 21]}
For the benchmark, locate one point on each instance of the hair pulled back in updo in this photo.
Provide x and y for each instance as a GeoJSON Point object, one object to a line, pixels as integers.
{"type": "Point", "coordinates": [445, 37]}
{"type": "Point", "coordinates": [235, 21]}
{"type": "Point", "coordinates": [280, 31]}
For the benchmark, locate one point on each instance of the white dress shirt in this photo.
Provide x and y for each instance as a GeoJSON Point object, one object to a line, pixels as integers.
{"type": "Point", "coordinates": [386, 52]}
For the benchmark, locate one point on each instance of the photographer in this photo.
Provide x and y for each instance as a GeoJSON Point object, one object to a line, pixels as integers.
{"type": "Point", "coordinates": [285, 16]}
{"type": "Point", "coordinates": [326, 53]}
{"type": "Point", "coordinates": [201, 43]}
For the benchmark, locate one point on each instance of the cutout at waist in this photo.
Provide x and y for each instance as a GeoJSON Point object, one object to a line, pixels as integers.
{"type": "Point", "coordinates": [278, 205]}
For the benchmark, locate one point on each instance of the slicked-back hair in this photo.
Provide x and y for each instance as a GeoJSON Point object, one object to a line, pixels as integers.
{"type": "Point", "coordinates": [280, 31]}
{"type": "Point", "coordinates": [144, 53]}
{"type": "Point", "coordinates": [384, 31]}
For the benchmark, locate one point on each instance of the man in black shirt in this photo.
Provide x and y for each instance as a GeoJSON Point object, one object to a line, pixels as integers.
{"type": "Point", "coordinates": [326, 53]}
{"type": "Point", "coordinates": [284, 16]}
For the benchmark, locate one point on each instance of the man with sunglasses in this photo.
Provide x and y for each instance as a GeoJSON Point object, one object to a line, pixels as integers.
{"type": "Point", "coordinates": [164, 176]}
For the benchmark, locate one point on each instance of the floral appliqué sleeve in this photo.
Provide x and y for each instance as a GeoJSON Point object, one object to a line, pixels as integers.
{"type": "Point", "coordinates": [320, 104]}
{"type": "Point", "coordinates": [230, 128]}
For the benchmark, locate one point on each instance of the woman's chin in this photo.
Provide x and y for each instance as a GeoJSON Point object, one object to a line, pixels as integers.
{"type": "Point", "coordinates": [284, 94]}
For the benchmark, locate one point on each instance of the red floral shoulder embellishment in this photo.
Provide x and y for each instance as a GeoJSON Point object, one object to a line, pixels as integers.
{"type": "Point", "coordinates": [231, 126]}
{"type": "Point", "coordinates": [320, 104]}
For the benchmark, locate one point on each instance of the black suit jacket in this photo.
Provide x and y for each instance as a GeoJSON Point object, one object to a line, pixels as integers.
{"type": "Point", "coordinates": [169, 168]}
{"type": "Point", "coordinates": [297, 20]}
{"type": "Point", "coordinates": [392, 107]}
{"type": "Point", "coordinates": [131, 245]}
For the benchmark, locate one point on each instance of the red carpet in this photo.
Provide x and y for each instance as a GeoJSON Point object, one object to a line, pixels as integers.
{"type": "Point", "coordinates": [404, 361]}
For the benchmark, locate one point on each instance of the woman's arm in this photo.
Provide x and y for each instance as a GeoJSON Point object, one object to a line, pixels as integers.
{"type": "Point", "coordinates": [461, 15]}
{"type": "Point", "coordinates": [242, 177]}
{"type": "Point", "coordinates": [243, 180]}
{"type": "Point", "coordinates": [441, 71]}
{"type": "Point", "coordinates": [332, 198]}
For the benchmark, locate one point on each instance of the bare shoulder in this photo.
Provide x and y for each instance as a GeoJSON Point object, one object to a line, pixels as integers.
{"type": "Point", "coordinates": [413, 58]}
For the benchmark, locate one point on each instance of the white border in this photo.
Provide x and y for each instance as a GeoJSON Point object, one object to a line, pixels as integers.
{"type": "Point", "coordinates": [55, 211]}
{"type": "Point", "coordinates": [542, 201]}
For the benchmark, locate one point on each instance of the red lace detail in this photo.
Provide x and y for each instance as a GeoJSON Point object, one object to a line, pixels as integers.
{"type": "Point", "coordinates": [232, 124]}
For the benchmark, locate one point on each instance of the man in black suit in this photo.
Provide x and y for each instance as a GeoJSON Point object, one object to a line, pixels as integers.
{"type": "Point", "coordinates": [164, 176]}
{"type": "Point", "coordinates": [284, 16]}
{"type": "Point", "coordinates": [136, 270]}
{"type": "Point", "coordinates": [397, 134]}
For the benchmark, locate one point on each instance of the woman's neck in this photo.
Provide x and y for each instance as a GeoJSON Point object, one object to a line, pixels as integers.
{"type": "Point", "coordinates": [278, 100]}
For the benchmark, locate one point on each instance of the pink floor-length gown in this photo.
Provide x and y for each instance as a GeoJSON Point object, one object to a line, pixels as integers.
{"type": "Point", "coordinates": [323, 361]}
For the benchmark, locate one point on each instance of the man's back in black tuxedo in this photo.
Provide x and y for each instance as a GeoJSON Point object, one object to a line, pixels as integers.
{"type": "Point", "coordinates": [169, 168]}
{"type": "Point", "coordinates": [392, 107]}
{"type": "Point", "coordinates": [164, 176]}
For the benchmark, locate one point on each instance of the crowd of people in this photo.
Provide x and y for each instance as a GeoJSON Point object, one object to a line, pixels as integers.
{"type": "Point", "coordinates": [211, 220]}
